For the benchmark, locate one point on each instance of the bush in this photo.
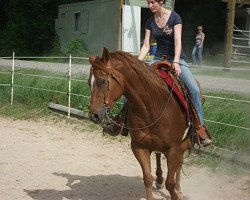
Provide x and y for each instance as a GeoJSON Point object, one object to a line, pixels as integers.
{"type": "Point", "coordinates": [76, 48]}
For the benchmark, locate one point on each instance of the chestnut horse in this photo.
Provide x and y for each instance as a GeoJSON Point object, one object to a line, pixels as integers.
{"type": "Point", "coordinates": [154, 118]}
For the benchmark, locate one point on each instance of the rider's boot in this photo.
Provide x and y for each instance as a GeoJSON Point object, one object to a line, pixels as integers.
{"type": "Point", "coordinates": [204, 135]}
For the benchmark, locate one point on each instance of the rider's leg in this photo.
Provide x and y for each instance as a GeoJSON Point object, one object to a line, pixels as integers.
{"type": "Point", "coordinates": [192, 86]}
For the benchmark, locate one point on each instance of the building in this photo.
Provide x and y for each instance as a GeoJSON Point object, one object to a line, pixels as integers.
{"type": "Point", "coordinates": [115, 24]}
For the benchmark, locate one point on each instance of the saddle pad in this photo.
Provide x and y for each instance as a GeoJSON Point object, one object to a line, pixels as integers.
{"type": "Point", "coordinates": [176, 90]}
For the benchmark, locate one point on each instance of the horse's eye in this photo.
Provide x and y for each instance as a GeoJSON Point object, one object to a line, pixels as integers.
{"type": "Point", "coordinates": [101, 83]}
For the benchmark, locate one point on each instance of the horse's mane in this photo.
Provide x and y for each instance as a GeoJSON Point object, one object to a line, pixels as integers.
{"type": "Point", "coordinates": [149, 77]}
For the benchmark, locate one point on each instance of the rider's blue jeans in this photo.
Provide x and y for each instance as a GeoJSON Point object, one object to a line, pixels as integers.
{"type": "Point", "coordinates": [192, 86]}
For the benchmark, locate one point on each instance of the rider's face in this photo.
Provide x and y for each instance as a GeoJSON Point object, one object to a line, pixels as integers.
{"type": "Point", "coordinates": [154, 5]}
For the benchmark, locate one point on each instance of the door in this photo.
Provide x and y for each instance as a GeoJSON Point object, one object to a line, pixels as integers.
{"type": "Point", "coordinates": [131, 29]}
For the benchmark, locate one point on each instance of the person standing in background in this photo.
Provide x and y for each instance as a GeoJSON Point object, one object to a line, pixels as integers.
{"type": "Point", "coordinates": [198, 47]}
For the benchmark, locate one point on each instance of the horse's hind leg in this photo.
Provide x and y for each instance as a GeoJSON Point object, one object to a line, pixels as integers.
{"type": "Point", "coordinates": [174, 161]}
{"type": "Point", "coordinates": [159, 179]}
{"type": "Point", "coordinates": [178, 180]}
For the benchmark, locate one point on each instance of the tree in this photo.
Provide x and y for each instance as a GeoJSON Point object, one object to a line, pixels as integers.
{"type": "Point", "coordinates": [30, 27]}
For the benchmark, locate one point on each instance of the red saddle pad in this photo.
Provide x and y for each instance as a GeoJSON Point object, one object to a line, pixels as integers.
{"type": "Point", "coordinates": [169, 81]}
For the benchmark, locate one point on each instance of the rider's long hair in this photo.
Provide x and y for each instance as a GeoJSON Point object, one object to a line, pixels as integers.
{"type": "Point", "coordinates": [161, 0]}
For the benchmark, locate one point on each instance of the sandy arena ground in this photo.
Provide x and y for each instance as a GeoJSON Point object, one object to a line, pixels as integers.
{"type": "Point", "coordinates": [69, 159]}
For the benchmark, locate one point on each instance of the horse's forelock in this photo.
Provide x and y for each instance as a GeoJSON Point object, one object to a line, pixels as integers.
{"type": "Point", "coordinates": [96, 62]}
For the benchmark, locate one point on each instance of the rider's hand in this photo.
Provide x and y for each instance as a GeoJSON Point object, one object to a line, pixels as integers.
{"type": "Point", "coordinates": [177, 68]}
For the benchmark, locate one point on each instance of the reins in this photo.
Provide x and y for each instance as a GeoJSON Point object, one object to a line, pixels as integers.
{"type": "Point", "coordinates": [110, 120]}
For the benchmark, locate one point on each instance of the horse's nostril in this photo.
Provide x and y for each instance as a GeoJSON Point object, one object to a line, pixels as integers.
{"type": "Point", "coordinates": [96, 117]}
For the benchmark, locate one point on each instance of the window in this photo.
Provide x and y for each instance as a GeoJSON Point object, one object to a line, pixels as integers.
{"type": "Point", "coordinates": [81, 22]}
{"type": "Point", "coordinates": [77, 20]}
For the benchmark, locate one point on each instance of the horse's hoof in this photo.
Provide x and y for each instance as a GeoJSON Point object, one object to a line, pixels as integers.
{"type": "Point", "coordinates": [180, 195]}
{"type": "Point", "coordinates": [158, 185]}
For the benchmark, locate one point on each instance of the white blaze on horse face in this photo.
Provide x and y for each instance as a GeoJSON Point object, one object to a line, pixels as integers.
{"type": "Point", "coordinates": [92, 82]}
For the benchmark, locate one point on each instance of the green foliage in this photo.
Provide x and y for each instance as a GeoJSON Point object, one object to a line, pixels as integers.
{"type": "Point", "coordinates": [76, 48]}
{"type": "Point", "coordinates": [30, 27]}
{"type": "Point", "coordinates": [55, 46]}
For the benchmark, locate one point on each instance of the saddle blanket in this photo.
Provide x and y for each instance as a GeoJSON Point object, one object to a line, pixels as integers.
{"type": "Point", "coordinates": [176, 89]}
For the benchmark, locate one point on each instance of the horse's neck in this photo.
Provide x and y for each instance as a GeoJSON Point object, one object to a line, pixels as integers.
{"type": "Point", "coordinates": [143, 95]}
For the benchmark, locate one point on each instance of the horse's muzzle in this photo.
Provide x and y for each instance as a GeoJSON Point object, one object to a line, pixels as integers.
{"type": "Point", "coordinates": [98, 117]}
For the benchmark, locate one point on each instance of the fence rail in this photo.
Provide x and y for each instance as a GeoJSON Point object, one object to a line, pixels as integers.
{"type": "Point", "coordinates": [69, 79]}
{"type": "Point", "coordinates": [241, 46]}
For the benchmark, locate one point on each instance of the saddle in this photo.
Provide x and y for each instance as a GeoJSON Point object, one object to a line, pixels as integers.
{"type": "Point", "coordinates": [165, 71]}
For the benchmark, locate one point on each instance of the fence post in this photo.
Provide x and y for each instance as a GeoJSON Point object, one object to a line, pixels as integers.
{"type": "Point", "coordinates": [229, 34]}
{"type": "Point", "coordinates": [12, 79]}
{"type": "Point", "coordinates": [69, 88]}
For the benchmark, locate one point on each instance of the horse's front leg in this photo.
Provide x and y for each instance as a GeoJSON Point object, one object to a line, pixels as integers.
{"type": "Point", "coordinates": [174, 162]}
{"type": "Point", "coordinates": [143, 157]}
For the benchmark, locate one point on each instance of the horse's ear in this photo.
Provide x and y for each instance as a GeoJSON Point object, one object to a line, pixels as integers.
{"type": "Point", "coordinates": [92, 60]}
{"type": "Point", "coordinates": [105, 55]}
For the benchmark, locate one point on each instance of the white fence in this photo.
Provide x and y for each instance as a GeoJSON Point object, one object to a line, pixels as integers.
{"type": "Point", "coordinates": [68, 69]}
{"type": "Point", "coordinates": [69, 78]}
{"type": "Point", "coordinates": [241, 46]}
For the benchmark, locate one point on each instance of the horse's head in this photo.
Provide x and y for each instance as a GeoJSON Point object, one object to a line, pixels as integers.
{"type": "Point", "coordinates": [106, 86]}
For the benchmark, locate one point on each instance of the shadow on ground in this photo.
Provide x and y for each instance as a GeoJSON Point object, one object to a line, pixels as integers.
{"type": "Point", "coordinates": [99, 187]}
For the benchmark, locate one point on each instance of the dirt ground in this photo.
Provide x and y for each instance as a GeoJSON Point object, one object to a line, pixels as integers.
{"type": "Point", "coordinates": [70, 159]}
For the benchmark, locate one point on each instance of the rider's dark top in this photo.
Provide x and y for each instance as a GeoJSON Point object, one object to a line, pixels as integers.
{"type": "Point", "coordinates": [164, 36]}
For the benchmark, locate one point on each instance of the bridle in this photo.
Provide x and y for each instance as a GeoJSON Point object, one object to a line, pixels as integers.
{"type": "Point", "coordinates": [111, 76]}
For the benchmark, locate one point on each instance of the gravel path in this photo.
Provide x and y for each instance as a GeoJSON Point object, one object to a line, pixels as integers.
{"type": "Point", "coordinates": [55, 67]}
{"type": "Point", "coordinates": [53, 159]}
{"type": "Point", "coordinates": [239, 86]}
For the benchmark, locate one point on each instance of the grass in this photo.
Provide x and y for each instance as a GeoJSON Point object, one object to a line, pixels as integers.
{"type": "Point", "coordinates": [35, 97]}
{"type": "Point", "coordinates": [29, 103]}
{"type": "Point", "coordinates": [229, 112]}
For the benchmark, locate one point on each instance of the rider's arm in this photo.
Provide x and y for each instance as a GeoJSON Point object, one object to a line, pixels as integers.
{"type": "Point", "coordinates": [146, 45]}
{"type": "Point", "coordinates": [177, 43]}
